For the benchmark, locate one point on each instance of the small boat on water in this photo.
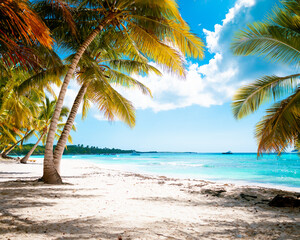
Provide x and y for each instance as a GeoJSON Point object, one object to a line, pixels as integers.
{"type": "Point", "coordinates": [229, 152]}
{"type": "Point", "coordinates": [134, 153]}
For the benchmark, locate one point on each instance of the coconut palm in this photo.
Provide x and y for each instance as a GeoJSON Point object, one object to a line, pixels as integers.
{"type": "Point", "coordinates": [278, 40]}
{"type": "Point", "coordinates": [98, 70]}
{"type": "Point", "coordinates": [20, 28]}
{"type": "Point", "coordinates": [21, 93]}
{"type": "Point", "coordinates": [8, 146]}
{"type": "Point", "coordinates": [17, 113]}
{"type": "Point", "coordinates": [43, 121]}
{"type": "Point", "coordinates": [150, 27]}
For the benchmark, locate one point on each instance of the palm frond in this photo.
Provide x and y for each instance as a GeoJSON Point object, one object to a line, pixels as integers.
{"type": "Point", "coordinates": [287, 16]}
{"type": "Point", "coordinates": [42, 79]}
{"type": "Point", "coordinates": [111, 103]}
{"type": "Point", "coordinates": [85, 106]}
{"type": "Point", "coordinates": [132, 66]}
{"type": "Point", "coordinates": [127, 81]}
{"type": "Point", "coordinates": [153, 48]}
{"type": "Point", "coordinates": [250, 97]}
{"type": "Point", "coordinates": [274, 43]}
{"type": "Point", "coordinates": [171, 31]}
{"type": "Point", "coordinates": [281, 126]}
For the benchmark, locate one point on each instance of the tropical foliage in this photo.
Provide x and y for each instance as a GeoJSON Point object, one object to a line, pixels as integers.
{"type": "Point", "coordinates": [149, 30]}
{"type": "Point", "coordinates": [21, 28]}
{"type": "Point", "coordinates": [22, 92]}
{"type": "Point", "coordinates": [42, 123]}
{"type": "Point", "coordinates": [99, 68]}
{"type": "Point", "coordinates": [70, 150]}
{"type": "Point", "coordinates": [108, 41]}
{"type": "Point", "coordinates": [277, 39]}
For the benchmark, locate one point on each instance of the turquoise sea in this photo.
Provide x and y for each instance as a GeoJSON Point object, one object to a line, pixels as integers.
{"type": "Point", "coordinates": [238, 167]}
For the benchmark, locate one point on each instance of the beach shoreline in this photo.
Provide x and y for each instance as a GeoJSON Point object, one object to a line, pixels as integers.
{"type": "Point", "coordinates": [102, 203]}
{"type": "Point", "coordinates": [134, 169]}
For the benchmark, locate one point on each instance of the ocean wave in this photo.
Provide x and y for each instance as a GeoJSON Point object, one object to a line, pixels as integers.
{"type": "Point", "coordinates": [177, 164]}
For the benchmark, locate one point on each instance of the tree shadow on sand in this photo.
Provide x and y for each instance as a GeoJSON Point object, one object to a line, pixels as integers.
{"type": "Point", "coordinates": [228, 229]}
{"type": "Point", "coordinates": [277, 223]}
{"type": "Point", "coordinates": [26, 194]}
{"type": "Point", "coordinates": [22, 194]}
{"type": "Point", "coordinates": [15, 195]}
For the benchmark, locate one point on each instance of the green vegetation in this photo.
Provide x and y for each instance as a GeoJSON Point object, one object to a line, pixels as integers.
{"type": "Point", "coordinates": [143, 31]}
{"type": "Point", "coordinates": [70, 150]}
{"type": "Point", "coordinates": [104, 68]}
{"type": "Point", "coordinates": [278, 40]}
{"type": "Point", "coordinates": [108, 41]}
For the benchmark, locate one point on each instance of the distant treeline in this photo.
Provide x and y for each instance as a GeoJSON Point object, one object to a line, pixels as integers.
{"type": "Point", "coordinates": [71, 150]}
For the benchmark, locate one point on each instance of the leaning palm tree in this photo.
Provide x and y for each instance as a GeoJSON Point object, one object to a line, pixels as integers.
{"type": "Point", "coordinates": [21, 93]}
{"type": "Point", "coordinates": [17, 113]}
{"type": "Point", "coordinates": [98, 71]}
{"type": "Point", "coordinates": [9, 145]}
{"type": "Point", "coordinates": [43, 121]}
{"type": "Point", "coordinates": [150, 27]}
{"type": "Point", "coordinates": [278, 40]}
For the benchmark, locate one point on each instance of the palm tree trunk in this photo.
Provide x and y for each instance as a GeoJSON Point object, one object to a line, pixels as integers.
{"type": "Point", "coordinates": [60, 147]}
{"type": "Point", "coordinates": [27, 156]}
{"type": "Point", "coordinates": [50, 173]}
{"type": "Point", "coordinates": [5, 153]}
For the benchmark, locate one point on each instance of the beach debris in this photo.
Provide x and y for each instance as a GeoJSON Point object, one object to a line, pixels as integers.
{"type": "Point", "coordinates": [215, 193]}
{"type": "Point", "coordinates": [284, 201]}
{"type": "Point", "coordinates": [247, 196]}
{"type": "Point", "coordinates": [176, 184]}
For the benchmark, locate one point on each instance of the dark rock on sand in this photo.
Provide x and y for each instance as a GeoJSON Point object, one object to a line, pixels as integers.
{"type": "Point", "coordinates": [284, 201]}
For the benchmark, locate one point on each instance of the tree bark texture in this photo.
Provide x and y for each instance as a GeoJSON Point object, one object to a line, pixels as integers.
{"type": "Point", "coordinates": [61, 144]}
{"type": "Point", "coordinates": [5, 153]}
{"type": "Point", "coordinates": [27, 156]}
{"type": "Point", "coordinates": [50, 174]}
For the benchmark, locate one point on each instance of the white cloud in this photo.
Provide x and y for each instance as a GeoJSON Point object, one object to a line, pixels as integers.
{"type": "Point", "coordinates": [71, 94]}
{"type": "Point", "coordinates": [205, 85]}
{"type": "Point", "coordinates": [99, 116]}
{"type": "Point", "coordinates": [212, 37]}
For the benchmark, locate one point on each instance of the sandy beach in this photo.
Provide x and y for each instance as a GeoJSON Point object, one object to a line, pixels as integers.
{"type": "Point", "coordinates": [99, 203]}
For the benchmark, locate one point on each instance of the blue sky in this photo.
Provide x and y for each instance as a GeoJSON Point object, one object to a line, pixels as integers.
{"type": "Point", "coordinates": [192, 114]}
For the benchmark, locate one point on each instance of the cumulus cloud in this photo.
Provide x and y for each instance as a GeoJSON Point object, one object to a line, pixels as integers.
{"type": "Point", "coordinates": [205, 85]}
{"type": "Point", "coordinates": [71, 94]}
{"type": "Point", "coordinates": [213, 37]}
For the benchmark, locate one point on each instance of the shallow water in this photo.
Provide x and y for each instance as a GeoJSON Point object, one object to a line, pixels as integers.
{"type": "Point", "coordinates": [239, 167]}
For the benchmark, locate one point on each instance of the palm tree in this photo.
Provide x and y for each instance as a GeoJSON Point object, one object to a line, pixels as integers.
{"type": "Point", "coordinates": [96, 74]}
{"type": "Point", "coordinates": [45, 114]}
{"type": "Point", "coordinates": [9, 147]}
{"type": "Point", "coordinates": [17, 113]}
{"type": "Point", "coordinates": [278, 40]}
{"type": "Point", "coordinates": [20, 95]}
{"type": "Point", "coordinates": [150, 27]}
{"type": "Point", "coordinates": [21, 28]}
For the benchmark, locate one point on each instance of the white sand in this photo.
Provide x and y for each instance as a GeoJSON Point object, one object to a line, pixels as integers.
{"type": "Point", "coordinates": [98, 203]}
